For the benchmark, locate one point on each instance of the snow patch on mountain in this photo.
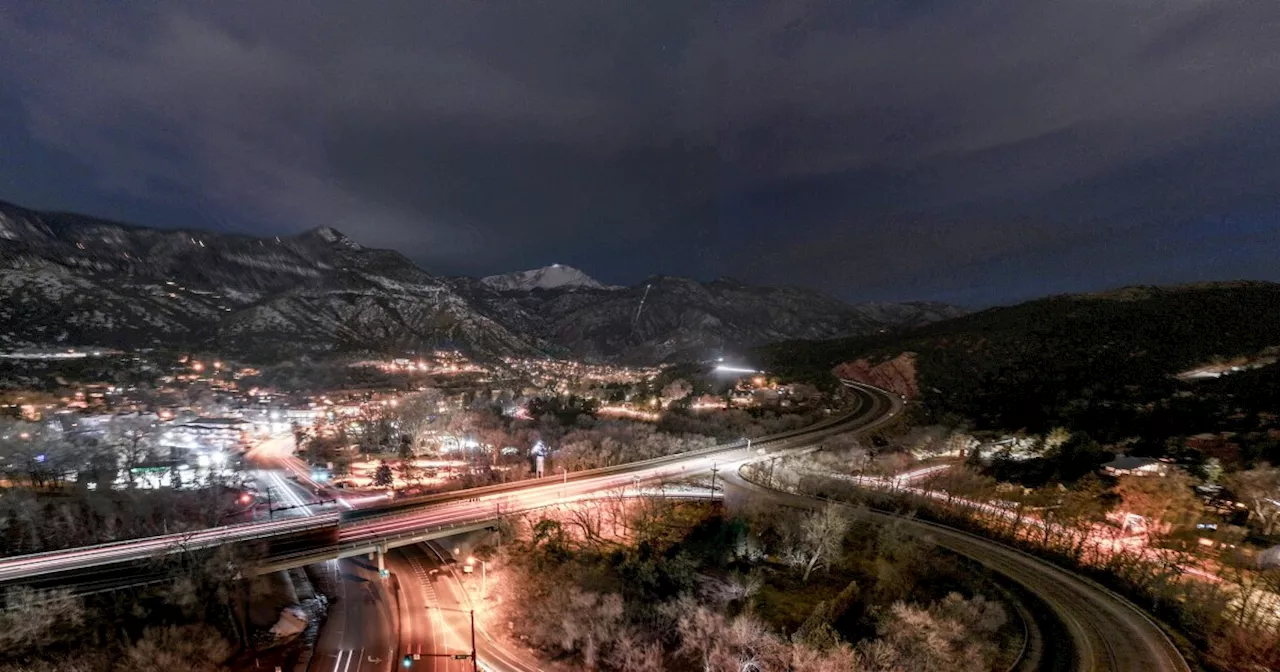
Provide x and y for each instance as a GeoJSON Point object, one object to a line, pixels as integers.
{"type": "Point", "coordinates": [332, 235]}
{"type": "Point", "coordinates": [273, 263]}
{"type": "Point", "coordinates": [555, 276]}
{"type": "Point", "coordinates": [7, 229]}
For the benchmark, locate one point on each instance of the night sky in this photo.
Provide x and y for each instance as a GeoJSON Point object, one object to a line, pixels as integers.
{"type": "Point", "coordinates": [976, 152]}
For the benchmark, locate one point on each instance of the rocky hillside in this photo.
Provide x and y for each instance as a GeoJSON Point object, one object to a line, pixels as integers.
{"type": "Point", "coordinates": [67, 279]}
{"type": "Point", "coordinates": [74, 280]}
{"type": "Point", "coordinates": [669, 318]}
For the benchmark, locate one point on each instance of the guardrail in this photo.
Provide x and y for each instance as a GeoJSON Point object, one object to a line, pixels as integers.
{"type": "Point", "coordinates": [260, 530]}
{"type": "Point", "coordinates": [1171, 647]}
{"type": "Point", "coordinates": [362, 546]}
{"type": "Point", "coordinates": [427, 501]}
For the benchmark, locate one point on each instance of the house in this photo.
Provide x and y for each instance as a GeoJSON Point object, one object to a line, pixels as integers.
{"type": "Point", "coordinates": [1125, 465]}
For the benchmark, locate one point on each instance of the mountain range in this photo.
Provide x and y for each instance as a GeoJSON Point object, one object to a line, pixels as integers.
{"type": "Point", "coordinates": [555, 276]}
{"type": "Point", "coordinates": [72, 280]}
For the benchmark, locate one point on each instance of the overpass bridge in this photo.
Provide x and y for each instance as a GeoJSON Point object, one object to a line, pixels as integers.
{"type": "Point", "coordinates": [296, 542]}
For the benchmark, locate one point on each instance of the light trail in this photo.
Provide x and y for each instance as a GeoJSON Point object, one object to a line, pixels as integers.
{"type": "Point", "coordinates": [462, 507]}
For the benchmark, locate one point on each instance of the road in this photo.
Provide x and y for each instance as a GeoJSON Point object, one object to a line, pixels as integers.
{"type": "Point", "coordinates": [443, 510]}
{"type": "Point", "coordinates": [359, 633]}
{"type": "Point", "coordinates": [1108, 634]}
{"type": "Point", "coordinates": [436, 618]}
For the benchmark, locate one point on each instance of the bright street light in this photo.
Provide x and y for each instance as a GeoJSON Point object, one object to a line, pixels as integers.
{"type": "Point", "coordinates": [484, 580]}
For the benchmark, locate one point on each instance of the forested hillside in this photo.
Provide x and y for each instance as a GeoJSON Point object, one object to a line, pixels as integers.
{"type": "Point", "coordinates": [1104, 363]}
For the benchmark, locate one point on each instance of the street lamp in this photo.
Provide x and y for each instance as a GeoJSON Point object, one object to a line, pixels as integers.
{"type": "Point", "coordinates": [484, 582]}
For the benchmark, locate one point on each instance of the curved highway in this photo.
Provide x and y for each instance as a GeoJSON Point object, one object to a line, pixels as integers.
{"type": "Point", "coordinates": [1107, 632]}
{"type": "Point", "coordinates": [304, 537]}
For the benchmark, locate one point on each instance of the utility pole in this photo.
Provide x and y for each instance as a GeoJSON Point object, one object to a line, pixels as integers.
{"type": "Point", "coordinates": [475, 659]}
{"type": "Point", "coordinates": [475, 662]}
{"type": "Point", "coordinates": [714, 468]}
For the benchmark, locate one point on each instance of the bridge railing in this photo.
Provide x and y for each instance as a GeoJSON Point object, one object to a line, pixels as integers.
{"type": "Point", "coordinates": [259, 530]}
{"type": "Point", "coordinates": [761, 442]}
{"type": "Point", "coordinates": [426, 501]}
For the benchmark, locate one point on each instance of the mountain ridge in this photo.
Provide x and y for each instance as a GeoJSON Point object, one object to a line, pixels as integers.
{"type": "Point", "coordinates": [555, 276]}
{"type": "Point", "coordinates": [69, 279]}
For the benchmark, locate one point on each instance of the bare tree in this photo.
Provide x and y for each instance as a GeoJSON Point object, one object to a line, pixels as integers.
{"type": "Point", "coordinates": [818, 539]}
{"type": "Point", "coordinates": [586, 516]}
{"type": "Point", "coordinates": [33, 619]}
{"type": "Point", "coordinates": [1165, 501]}
{"type": "Point", "coordinates": [78, 661]}
{"type": "Point", "coordinates": [133, 441]}
{"type": "Point", "coordinates": [589, 623]}
{"type": "Point", "coordinates": [741, 644]}
{"type": "Point", "coordinates": [198, 648]}
{"type": "Point", "coordinates": [632, 654]}
{"type": "Point", "coordinates": [413, 416]}
{"type": "Point", "coordinates": [1259, 489]}
{"type": "Point", "coordinates": [37, 456]}
{"type": "Point", "coordinates": [942, 638]}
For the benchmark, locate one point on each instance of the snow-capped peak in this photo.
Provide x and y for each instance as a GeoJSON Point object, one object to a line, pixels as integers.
{"type": "Point", "coordinates": [555, 276]}
{"type": "Point", "coordinates": [332, 235]}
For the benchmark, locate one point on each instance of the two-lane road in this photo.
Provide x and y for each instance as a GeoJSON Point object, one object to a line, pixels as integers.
{"type": "Point", "coordinates": [359, 634]}
{"type": "Point", "coordinates": [1107, 633]}
{"type": "Point", "coordinates": [456, 508]}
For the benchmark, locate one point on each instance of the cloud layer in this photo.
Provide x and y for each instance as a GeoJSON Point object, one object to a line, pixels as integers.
{"type": "Point", "coordinates": [971, 151]}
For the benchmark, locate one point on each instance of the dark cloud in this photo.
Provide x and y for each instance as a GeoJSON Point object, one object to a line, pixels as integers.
{"type": "Point", "coordinates": [974, 151]}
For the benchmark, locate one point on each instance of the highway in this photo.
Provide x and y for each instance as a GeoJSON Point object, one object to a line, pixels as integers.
{"type": "Point", "coordinates": [432, 601]}
{"type": "Point", "coordinates": [330, 535]}
{"type": "Point", "coordinates": [1107, 633]}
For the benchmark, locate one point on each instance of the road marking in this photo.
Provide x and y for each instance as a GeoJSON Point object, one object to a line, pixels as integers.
{"type": "Point", "coordinates": [431, 600]}
{"type": "Point", "coordinates": [338, 662]}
